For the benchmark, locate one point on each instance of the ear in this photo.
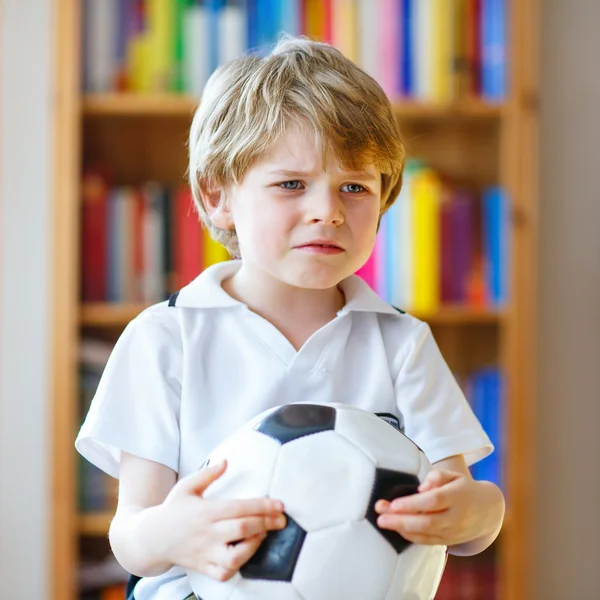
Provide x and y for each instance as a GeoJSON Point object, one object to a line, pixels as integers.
{"type": "Point", "coordinates": [217, 207]}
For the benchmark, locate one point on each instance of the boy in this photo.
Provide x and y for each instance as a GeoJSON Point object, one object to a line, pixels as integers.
{"type": "Point", "coordinates": [293, 159]}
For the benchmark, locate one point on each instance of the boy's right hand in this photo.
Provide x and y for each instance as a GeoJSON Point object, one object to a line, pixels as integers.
{"type": "Point", "coordinates": [214, 537]}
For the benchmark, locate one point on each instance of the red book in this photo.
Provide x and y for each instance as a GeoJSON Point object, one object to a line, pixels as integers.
{"type": "Point", "coordinates": [93, 236]}
{"type": "Point", "coordinates": [328, 21]}
{"type": "Point", "coordinates": [187, 238]}
{"type": "Point", "coordinates": [138, 245]}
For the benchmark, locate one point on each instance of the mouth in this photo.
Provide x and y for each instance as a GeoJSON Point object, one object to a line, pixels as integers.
{"type": "Point", "coordinates": [321, 247]}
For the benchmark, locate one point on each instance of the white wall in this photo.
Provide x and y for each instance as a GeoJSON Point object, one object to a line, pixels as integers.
{"type": "Point", "coordinates": [568, 518]}
{"type": "Point", "coordinates": [25, 160]}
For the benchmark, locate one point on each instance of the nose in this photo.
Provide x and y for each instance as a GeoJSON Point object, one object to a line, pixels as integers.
{"type": "Point", "coordinates": [325, 207]}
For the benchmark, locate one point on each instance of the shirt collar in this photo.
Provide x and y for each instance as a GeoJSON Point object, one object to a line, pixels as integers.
{"type": "Point", "coordinates": [206, 292]}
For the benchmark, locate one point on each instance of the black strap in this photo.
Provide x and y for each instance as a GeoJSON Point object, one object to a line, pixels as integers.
{"type": "Point", "coordinates": [402, 312]}
{"type": "Point", "coordinates": [173, 299]}
{"type": "Point", "coordinates": [133, 579]}
{"type": "Point", "coordinates": [131, 583]}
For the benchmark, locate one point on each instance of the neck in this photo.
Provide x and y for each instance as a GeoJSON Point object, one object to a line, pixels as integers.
{"type": "Point", "coordinates": [297, 312]}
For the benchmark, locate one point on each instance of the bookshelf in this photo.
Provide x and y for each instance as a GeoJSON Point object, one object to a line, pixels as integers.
{"type": "Point", "coordinates": [144, 138]}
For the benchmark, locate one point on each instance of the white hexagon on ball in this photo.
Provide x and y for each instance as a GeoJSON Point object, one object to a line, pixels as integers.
{"type": "Point", "coordinates": [240, 480]}
{"type": "Point", "coordinates": [322, 480]}
{"type": "Point", "coordinates": [386, 446]}
{"type": "Point", "coordinates": [350, 561]}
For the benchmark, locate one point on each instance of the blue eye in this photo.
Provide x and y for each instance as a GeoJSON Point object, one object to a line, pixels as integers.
{"type": "Point", "coordinates": [353, 188]}
{"type": "Point", "coordinates": [290, 185]}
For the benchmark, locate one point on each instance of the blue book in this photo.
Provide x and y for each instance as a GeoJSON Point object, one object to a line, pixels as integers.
{"type": "Point", "coordinates": [493, 50]}
{"type": "Point", "coordinates": [263, 26]}
{"type": "Point", "coordinates": [476, 395]}
{"type": "Point", "coordinates": [214, 7]}
{"type": "Point", "coordinates": [495, 216]}
{"type": "Point", "coordinates": [275, 11]}
{"type": "Point", "coordinates": [487, 401]}
{"type": "Point", "coordinates": [390, 253]}
{"type": "Point", "coordinates": [290, 17]}
{"type": "Point", "coordinates": [252, 21]}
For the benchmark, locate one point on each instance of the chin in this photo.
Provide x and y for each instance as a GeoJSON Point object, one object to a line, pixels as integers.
{"type": "Point", "coordinates": [316, 279]}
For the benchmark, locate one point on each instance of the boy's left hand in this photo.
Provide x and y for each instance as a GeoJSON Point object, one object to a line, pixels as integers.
{"type": "Point", "coordinates": [450, 508]}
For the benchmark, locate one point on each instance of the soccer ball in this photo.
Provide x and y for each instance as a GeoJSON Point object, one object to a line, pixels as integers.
{"type": "Point", "coordinates": [328, 464]}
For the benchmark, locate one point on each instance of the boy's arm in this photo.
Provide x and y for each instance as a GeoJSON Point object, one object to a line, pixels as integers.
{"type": "Point", "coordinates": [143, 486]}
{"type": "Point", "coordinates": [161, 522]}
{"type": "Point", "coordinates": [451, 508]}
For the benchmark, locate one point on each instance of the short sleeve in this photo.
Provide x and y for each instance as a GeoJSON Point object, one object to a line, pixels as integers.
{"type": "Point", "coordinates": [136, 406]}
{"type": "Point", "coordinates": [437, 416]}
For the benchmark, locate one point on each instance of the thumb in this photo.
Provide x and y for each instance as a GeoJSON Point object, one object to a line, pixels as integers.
{"type": "Point", "coordinates": [197, 482]}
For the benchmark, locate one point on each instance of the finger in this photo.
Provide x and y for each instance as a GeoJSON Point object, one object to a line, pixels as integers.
{"type": "Point", "coordinates": [233, 556]}
{"type": "Point", "coordinates": [218, 572]}
{"type": "Point", "coordinates": [235, 509]}
{"type": "Point", "coordinates": [437, 478]}
{"type": "Point", "coordinates": [232, 530]}
{"type": "Point", "coordinates": [197, 482]}
{"type": "Point", "coordinates": [434, 500]}
{"type": "Point", "coordinates": [425, 540]}
{"type": "Point", "coordinates": [428, 525]}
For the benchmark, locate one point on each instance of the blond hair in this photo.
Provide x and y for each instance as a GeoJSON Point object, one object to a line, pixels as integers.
{"type": "Point", "coordinates": [249, 103]}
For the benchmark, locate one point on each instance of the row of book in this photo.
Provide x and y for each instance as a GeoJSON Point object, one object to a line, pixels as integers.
{"type": "Point", "coordinates": [441, 244]}
{"type": "Point", "coordinates": [98, 491]}
{"type": "Point", "coordinates": [437, 245]}
{"type": "Point", "coordinates": [428, 50]}
{"type": "Point", "coordinates": [140, 243]}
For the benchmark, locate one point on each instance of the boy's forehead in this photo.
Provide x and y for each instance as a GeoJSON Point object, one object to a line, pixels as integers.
{"type": "Point", "coordinates": [299, 152]}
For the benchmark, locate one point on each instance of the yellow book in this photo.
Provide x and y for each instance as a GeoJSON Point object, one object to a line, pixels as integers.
{"type": "Point", "coordinates": [345, 27]}
{"type": "Point", "coordinates": [446, 33]}
{"type": "Point", "coordinates": [441, 49]}
{"type": "Point", "coordinates": [426, 197]}
{"type": "Point", "coordinates": [161, 28]}
{"type": "Point", "coordinates": [138, 63]}
{"type": "Point", "coordinates": [213, 252]}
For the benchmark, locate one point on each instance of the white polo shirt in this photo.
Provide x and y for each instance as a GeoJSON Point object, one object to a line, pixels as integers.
{"type": "Point", "coordinates": [182, 378]}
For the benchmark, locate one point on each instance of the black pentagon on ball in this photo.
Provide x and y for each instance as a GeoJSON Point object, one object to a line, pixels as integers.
{"type": "Point", "coordinates": [297, 420]}
{"type": "Point", "coordinates": [388, 485]}
{"type": "Point", "coordinates": [276, 557]}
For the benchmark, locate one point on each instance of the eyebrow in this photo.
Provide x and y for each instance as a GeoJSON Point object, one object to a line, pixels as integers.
{"type": "Point", "coordinates": [294, 173]}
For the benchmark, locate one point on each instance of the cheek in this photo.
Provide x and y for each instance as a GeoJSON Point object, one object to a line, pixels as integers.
{"type": "Point", "coordinates": [262, 230]}
{"type": "Point", "coordinates": [364, 222]}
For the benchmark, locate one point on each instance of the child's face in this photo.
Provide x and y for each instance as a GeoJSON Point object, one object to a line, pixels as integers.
{"type": "Point", "coordinates": [303, 225]}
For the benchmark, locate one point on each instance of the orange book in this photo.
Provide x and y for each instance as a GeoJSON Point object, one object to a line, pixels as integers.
{"type": "Point", "coordinates": [314, 19]}
{"type": "Point", "coordinates": [473, 46]}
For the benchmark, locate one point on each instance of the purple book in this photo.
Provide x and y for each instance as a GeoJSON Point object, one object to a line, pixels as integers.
{"type": "Point", "coordinates": [462, 252]}
{"type": "Point", "coordinates": [447, 246]}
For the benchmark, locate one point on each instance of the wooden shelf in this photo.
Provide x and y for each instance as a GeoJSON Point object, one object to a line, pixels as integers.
{"type": "Point", "coordinates": [130, 104]}
{"type": "Point", "coordinates": [118, 315]}
{"type": "Point", "coordinates": [95, 524]}
{"type": "Point", "coordinates": [101, 105]}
